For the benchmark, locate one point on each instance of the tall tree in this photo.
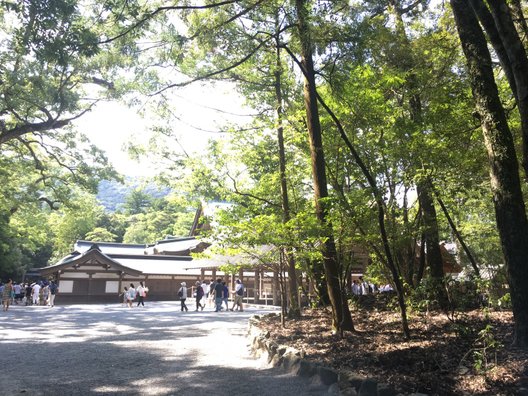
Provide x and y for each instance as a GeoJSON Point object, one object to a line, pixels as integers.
{"type": "Point", "coordinates": [510, 209]}
{"type": "Point", "coordinates": [341, 319]}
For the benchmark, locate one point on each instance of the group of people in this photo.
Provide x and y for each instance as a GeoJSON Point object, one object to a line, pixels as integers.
{"type": "Point", "coordinates": [131, 294]}
{"type": "Point", "coordinates": [361, 287]}
{"type": "Point", "coordinates": [216, 292]}
{"type": "Point", "coordinates": [36, 293]}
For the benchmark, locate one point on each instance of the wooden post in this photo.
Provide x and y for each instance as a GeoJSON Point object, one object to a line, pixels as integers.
{"type": "Point", "coordinates": [276, 289]}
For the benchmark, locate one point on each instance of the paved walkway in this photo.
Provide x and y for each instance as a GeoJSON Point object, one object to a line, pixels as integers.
{"type": "Point", "coordinates": [113, 350]}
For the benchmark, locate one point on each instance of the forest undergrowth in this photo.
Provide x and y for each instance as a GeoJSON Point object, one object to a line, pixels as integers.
{"type": "Point", "coordinates": [467, 353]}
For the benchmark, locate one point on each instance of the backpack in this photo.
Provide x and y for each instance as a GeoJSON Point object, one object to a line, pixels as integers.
{"type": "Point", "coordinates": [180, 293]}
{"type": "Point", "coordinates": [240, 291]}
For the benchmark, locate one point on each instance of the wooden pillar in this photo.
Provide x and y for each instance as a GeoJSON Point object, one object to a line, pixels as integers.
{"type": "Point", "coordinates": [276, 288]}
{"type": "Point", "coordinates": [256, 286]}
{"type": "Point", "coordinates": [120, 284]}
{"type": "Point", "coordinates": [90, 284]}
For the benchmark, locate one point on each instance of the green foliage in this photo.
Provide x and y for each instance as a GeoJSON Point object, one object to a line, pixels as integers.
{"type": "Point", "coordinates": [484, 353]}
{"type": "Point", "coordinates": [100, 234]}
{"type": "Point", "coordinates": [73, 223]}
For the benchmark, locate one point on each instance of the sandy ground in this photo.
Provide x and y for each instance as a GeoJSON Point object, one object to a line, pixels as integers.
{"type": "Point", "coordinates": [114, 350]}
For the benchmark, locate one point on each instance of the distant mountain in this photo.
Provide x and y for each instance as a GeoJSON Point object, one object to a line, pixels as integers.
{"type": "Point", "coordinates": [112, 194]}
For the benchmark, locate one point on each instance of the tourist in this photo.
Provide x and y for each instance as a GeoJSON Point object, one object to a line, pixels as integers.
{"type": "Point", "coordinates": [131, 296]}
{"type": "Point", "coordinates": [182, 294]}
{"type": "Point", "coordinates": [35, 293]}
{"type": "Point", "coordinates": [238, 296]}
{"type": "Point", "coordinates": [17, 287]}
{"type": "Point", "coordinates": [364, 287]}
{"type": "Point", "coordinates": [29, 292]}
{"type": "Point", "coordinates": [142, 293]}
{"type": "Point", "coordinates": [7, 294]}
{"type": "Point", "coordinates": [45, 295]}
{"type": "Point", "coordinates": [199, 295]}
{"type": "Point", "coordinates": [212, 286]}
{"type": "Point", "coordinates": [225, 297]}
{"type": "Point", "coordinates": [219, 294]}
{"type": "Point", "coordinates": [205, 288]}
{"type": "Point", "coordinates": [54, 289]}
{"type": "Point", "coordinates": [125, 296]}
{"type": "Point", "coordinates": [356, 289]}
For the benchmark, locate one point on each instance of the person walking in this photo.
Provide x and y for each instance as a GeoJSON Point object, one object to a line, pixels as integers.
{"type": "Point", "coordinates": [211, 294]}
{"type": "Point", "coordinates": [225, 297]}
{"type": "Point", "coordinates": [199, 295]}
{"type": "Point", "coordinates": [45, 295]}
{"type": "Point", "coordinates": [125, 296]}
{"type": "Point", "coordinates": [53, 289]}
{"type": "Point", "coordinates": [7, 294]}
{"type": "Point", "coordinates": [29, 292]}
{"type": "Point", "coordinates": [219, 294]}
{"type": "Point", "coordinates": [35, 293]}
{"type": "Point", "coordinates": [239, 296]}
{"type": "Point", "coordinates": [131, 296]}
{"type": "Point", "coordinates": [142, 293]}
{"type": "Point", "coordinates": [182, 294]}
{"type": "Point", "coordinates": [18, 290]}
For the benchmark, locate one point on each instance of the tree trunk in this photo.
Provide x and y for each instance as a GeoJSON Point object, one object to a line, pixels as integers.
{"type": "Point", "coordinates": [518, 63]}
{"type": "Point", "coordinates": [293, 309]}
{"type": "Point", "coordinates": [458, 236]}
{"type": "Point", "coordinates": [519, 20]}
{"type": "Point", "coordinates": [430, 222]}
{"type": "Point", "coordinates": [510, 210]}
{"type": "Point", "coordinates": [421, 264]}
{"type": "Point", "coordinates": [486, 19]}
{"type": "Point", "coordinates": [341, 317]}
{"type": "Point", "coordinates": [434, 255]}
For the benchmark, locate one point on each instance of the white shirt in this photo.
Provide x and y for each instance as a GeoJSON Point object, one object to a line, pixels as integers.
{"type": "Point", "coordinates": [36, 289]}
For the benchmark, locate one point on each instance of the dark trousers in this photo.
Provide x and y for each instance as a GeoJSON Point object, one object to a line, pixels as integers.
{"type": "Point", "coordinates": [183, 306]}
{"type": "Point", "coordinates": [140, 301]}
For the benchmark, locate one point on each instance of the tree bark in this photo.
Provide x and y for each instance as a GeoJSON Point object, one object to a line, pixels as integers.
{"type": "Point", "coordinates": [421, 265]}
{"type": "Point", "coordinates": [434, 255]}
{"type": "Point", "coordinates": [518, 63]}
{"type": "Point", "coordinates": [510, 210]}
{"type": "Point", "coordinates": [293, 308]}
{"type": "Point", "coordinates": [486, 19]}
{"type": "Point", "coordinates": [458, 236]}
{"type": "Point", "coordinates": [519, 20]}
{"type": "Point", "coordinates": [341, 317]}
{"type": "Point", "coordinates": [430, 221]}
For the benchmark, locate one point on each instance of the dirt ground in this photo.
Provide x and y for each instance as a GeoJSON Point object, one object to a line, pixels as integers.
{"type": "Point", "coordinates": [470, 354]}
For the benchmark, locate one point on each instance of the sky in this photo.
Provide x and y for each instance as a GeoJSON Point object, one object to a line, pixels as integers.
{"type": "Point", "coordinates": [200, 110]}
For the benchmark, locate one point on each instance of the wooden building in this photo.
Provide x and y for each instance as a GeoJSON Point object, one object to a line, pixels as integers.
{"type": "Point", "coordinates": [97, 272]}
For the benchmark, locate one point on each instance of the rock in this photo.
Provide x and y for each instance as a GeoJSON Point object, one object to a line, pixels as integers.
{"type": "Point", "coordinates": [355, 380]}
{"type": "Point", "coordinates": [281, 350]}
{"type": "Point", "coordinates": [334, 390]}
{"type": "Point", "coordinates": [348, 392]}
{"type": "Point", "coordinates": [368, 388]}
{"type": "Point", "coordinates": [275, 361]}
{"type": "Point", "coordinates": [306, 369]}
{"type": "Point", "coordinates": [327, 375]}
{"type": "Point", "coordinates": [290, 362]}
{"type": "Point", "coordinates": [386, 390]}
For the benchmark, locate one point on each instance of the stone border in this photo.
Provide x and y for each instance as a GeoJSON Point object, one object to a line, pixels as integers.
{"type": "Point", "coordinates": [292, 361]}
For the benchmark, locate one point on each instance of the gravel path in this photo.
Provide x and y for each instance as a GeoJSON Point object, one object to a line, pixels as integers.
{"type": "Point", "coordinates": [113, 350]}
